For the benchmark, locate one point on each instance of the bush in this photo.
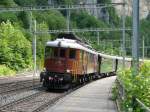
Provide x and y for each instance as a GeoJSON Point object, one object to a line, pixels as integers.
{"type": "Point", "coordinates": [138, 86]}
{"type": "Point", "coordinates": [6, 71]}
{"type": "Point", "coordinates": [15, 49]}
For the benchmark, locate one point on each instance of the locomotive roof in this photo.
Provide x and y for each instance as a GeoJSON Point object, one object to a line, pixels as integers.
{"type": "Point", "coordinates": [68, 36]}
{"type": "Point", "coordinates": [69, 43]}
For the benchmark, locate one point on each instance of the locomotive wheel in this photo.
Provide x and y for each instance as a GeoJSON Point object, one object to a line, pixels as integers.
{"type": "Point", "coordinates": [44, 83]}
{"type": "Point", "coordinates": [83, 80]}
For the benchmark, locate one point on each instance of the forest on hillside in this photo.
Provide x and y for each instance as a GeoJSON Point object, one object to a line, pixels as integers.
{"type": "Point", "coordinates": [16, 38]}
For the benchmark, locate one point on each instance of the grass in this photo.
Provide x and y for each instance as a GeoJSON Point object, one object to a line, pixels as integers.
{"type": "Point", "coordinates": [6, 71]}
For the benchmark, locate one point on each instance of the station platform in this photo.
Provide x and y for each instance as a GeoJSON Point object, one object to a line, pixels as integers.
{"type": "Point", "coordinates": [93, 97]}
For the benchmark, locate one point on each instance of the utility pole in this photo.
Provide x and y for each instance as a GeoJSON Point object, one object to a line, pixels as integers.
{"type": "Point", "coordinates": [135, 45]}
{"type": "Point", "coordinates": [143, 47]}
{"type": "Point", "coordinates": [31, 32]}
{"type": "Point", "coordinates": [68, 19]}
{"type": "Point", "coordinates": [135, 39]}
{"type": "Point", "coordinates": [34, 48]}
{"type": "Point", "coordinates": [123, 35]}
{"type": "Point", "coordinates": [30, 22]}
{"type": "Point", "coordinates": [97, 38]}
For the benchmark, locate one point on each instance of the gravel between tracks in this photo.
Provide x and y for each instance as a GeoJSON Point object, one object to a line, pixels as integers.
{"type": "Point", "coordinates": [33, 103]}
{"type": "Point", "coordinates": [8, 98]}
{"type": "Point", "coordinates": [16, 86]}
{"type": "Point", "coordinates": [36, 103]}
{"type": "Point", "coordinates": [10, 92]}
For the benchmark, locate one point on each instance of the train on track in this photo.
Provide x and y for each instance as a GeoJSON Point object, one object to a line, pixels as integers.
{"type": "Point", "coordinates": [69, 61]}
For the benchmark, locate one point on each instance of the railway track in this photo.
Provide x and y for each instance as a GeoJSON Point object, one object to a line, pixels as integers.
{"type": "Point", "coordinates": [46, 105]}
{"type": "Point", "coordinates": [9, 106]}
{"type": "Point", "coordinates": [11, 91]}
{"type": "Point", "coordinates": [7, 88]}
{"type": "Point", "coordinates": [36, 102]}
{"type": "Point", "coordinates": [33, 103]}
{"type": "Point", "coordinates": [39, 101]}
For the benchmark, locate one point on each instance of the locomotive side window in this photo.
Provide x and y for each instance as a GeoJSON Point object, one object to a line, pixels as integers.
{"type": "Point", "coordinates": [62, 53]}
{"type": "Point", "coordinates": [72, 54]}
{"type": "Point", "coordinates": [56, 52]}
{"type": "Point", "coordinates": [49, 52]}
{"type": "Point", "coordinates": [81, 55]}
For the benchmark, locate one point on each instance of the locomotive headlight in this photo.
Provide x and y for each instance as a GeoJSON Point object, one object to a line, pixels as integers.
{"type": "Point", "coordinates": [44, 69]}
{"type": "Point", "coordinates": [61, 79]}
{"type": "Point", "coordinates": [68, 71]}
{"type": "Point", "coordinates": [50, 78]}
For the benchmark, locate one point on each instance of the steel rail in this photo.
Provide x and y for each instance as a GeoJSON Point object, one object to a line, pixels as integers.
{"type": "Point", "coordinates": [49, 103]}
{"type": "Point", "coordinates": [41, 107]}
{"type": "Point", "coordinates": [16, 82]}
{"type": "Point", "coordinates": [7, 87]}
{"type": "Point", "coordinates": [2, 108]}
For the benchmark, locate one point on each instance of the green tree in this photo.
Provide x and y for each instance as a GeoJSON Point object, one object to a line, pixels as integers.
{"type": "Point", "coordinates": [66, 1]}
{"type": "Point", "coordinates": [31, 2]}
{"type": "Point", "coordinates": [104, 1]}
{"type": "Point", "coordinates": [7, 3]}
{"type": "Point", "coordinates": [144, 32]}
{"type": "Point", "coordinates": [8, 16]}
{"type": "Point", "coordinates": [25, 19]}
{"type": "Point", "coordinates": [41, 41]}
{"type": "Point", "coordinates": [53, 18]}
{"type": "Point", "coordinates": [113, 17]}
{"type": "Point", "coordinates": [84, 20]}
{"type": "Point", "coordinates": [15, 49]}
{"type": "Point", "coordinates": [42, 2]}
{"type": "Point", "coordinates": [25, 2]}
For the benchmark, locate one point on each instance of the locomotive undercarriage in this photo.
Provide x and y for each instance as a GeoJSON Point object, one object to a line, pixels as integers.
{"type": "Point", "coordinates": [53, 80]}
{"type": "Point", "coordinates": [64, 81]}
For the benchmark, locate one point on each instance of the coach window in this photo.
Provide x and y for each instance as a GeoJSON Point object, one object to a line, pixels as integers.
{"type": "Point", "coordinates": [62, 53]}
{"type": "Point", "coordinates": [72, 54]}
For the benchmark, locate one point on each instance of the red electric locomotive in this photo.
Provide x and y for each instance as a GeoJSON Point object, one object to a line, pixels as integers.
{"type": "Point", "coordinates": [68, 61]}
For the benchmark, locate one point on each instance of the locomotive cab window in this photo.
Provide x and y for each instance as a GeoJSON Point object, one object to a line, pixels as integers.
{"type": "Point", "coordinates": [62, 53]}
{"type": "Point", "coordinates": [72, 54]}
{"type": "Point", "coordinates": [49, 52]}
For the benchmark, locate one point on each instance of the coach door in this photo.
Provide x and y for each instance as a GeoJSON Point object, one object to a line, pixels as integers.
{"type": "Point", "coordinates": [99, 63]}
